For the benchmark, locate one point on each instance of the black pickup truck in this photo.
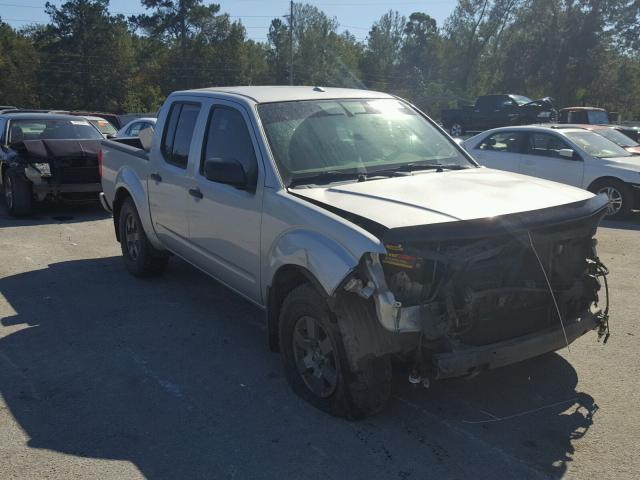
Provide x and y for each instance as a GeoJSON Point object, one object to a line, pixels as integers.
{"type": "Point", "coordinates": [498, 110]}
{"type": "Point", "coordinates": [47, 156]}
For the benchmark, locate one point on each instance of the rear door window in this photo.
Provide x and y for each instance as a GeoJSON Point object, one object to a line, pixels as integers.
{"type": "Point", "coordinates": [178, 133]}
{"type": "Point", "coordinates": [510, 142]}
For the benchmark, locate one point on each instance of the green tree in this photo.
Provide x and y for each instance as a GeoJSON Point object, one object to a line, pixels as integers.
{"type": "Point", "coordinates": [19, 66]}
{"type": "Point", "coordinates": [86, 57]}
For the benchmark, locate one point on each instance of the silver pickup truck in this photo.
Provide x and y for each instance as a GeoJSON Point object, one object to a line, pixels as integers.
{"type": "Point", "coordinates": [364, 232]}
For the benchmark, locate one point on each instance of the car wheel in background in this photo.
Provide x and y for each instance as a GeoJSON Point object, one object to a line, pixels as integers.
{"type": "Point", "coordinates": [620, 197]}
{"type": "Point", "coordinates": [456, 129]}
{"type": "Point", "coordinates": [18, 194]}
{"type": "Point", "coordinates": [318, 362]}
{"type": "Point", "coordinates": [140, 257]}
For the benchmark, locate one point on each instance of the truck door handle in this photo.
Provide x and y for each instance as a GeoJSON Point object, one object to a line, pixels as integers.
{"type": "Point", "coordinates": [156, 177]}
{"type": "Point", "coordinates": [195, 192]}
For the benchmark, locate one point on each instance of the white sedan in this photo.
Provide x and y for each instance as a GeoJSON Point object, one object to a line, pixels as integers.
{"type": "Point", "coordinates": [570, 155]}
{"type": "Point", "coordinates": [132, 129]}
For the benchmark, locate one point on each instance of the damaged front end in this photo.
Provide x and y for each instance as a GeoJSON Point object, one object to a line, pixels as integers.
{"type": "Point", "coordinates": [483, 294]}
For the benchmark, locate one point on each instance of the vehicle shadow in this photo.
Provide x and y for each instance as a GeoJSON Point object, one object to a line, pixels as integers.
{"type": "Point", "coordinates": [173, 374]}
{"type": "Point", "coordinates": [629, 223]}
{"type": "Point", "coordinates": [47, 213]}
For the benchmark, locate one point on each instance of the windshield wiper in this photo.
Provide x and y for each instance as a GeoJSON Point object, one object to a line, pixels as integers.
{"type": "Point", "coordinates": [412, 167]}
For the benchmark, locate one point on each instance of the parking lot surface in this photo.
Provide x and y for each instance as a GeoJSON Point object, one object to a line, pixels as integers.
{"type": "Point", "coordinates": [103, 375]}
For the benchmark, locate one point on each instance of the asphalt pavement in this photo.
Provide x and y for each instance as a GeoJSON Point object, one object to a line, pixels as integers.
{"type": "Point", "coordinates": [106, 376]}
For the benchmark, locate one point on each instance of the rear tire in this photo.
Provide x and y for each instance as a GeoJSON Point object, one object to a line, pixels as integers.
{"type": "Point", "coordinates": [18, 194]}
{"type": "Point", "coordinates": [456, 129]}
{"type": "Point", "coordinates": [621, 197]}
{"type": "Point", "coordinates": [140, 257]}
{"type": "Point", "coordinates": [320, 366]}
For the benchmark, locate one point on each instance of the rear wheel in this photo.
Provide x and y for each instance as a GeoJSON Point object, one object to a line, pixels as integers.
{"type": "Point", "coordinates": [140, 257]}
{"type": "Point", "coordinates": [456, 129]}
{"type": "Point", "coordinates": [320, 367]}
{"type": "Point", "coordinates": [18, 194]}
{"type": "Point", "coordinates": [620, 197]}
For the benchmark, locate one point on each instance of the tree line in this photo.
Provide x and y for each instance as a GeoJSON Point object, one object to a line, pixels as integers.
{"type": "Point", "coordinates": [580, 52]}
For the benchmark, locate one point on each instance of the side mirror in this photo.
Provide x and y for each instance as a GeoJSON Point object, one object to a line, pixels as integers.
{"type": "Point", "coordinates": [228, 171]}
{"type": "Point", "coordinates": [458, 140]}
{"type": "Point", "coordinates": [146, 138]}
{"type": "Point", "coordinates": [111, 136]}
{"type": "Point", "coordinates": [567, 153]}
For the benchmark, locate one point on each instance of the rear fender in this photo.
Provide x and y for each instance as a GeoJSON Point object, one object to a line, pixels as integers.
{"type": "Point", "coordinates": [128, 183]}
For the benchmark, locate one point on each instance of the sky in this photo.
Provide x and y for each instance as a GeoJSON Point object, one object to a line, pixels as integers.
{"type": "Point", "coordinates": [357, 16]}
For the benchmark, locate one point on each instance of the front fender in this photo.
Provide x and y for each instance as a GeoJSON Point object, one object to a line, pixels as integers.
{"type": "Point", "coordinates": [129, 180]}
{"type": "Point", "coordinates": [327, 260]}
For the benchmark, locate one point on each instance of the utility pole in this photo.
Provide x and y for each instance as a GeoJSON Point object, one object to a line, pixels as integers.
{"type": "Point", "coordinates": [291, 42]}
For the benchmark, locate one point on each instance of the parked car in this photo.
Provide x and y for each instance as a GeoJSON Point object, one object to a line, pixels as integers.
{"type": "Point", "coordinates": [47, 156]}
{"type": "Point", "coordinates": [104, 126]}
{"type": "Point", "coordinates": [364, 232]}
{"type": "Point", "coordinates": [132, 129]}
{"type": "Point", "coordinates": [611, 132]}
{"type": "Point", "coordinates": [574, 156]}
{"type": "Point", "coordinates": [492, 111]}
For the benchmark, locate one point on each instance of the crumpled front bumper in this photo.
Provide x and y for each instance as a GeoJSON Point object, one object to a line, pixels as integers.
{"type": "Point", "coordinates": [467, 360]}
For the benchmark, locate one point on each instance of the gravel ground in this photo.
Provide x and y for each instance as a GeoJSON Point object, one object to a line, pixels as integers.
{"type": "Point", "coordinates": [106, 376]}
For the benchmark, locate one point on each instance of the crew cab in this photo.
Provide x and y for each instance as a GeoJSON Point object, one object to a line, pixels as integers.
{"type": "Point", "coordinates": [497, 110]}
{"type": "Point", "coordinates": [45, 156]}
{"type": "Point", "coordinates": [364, 232]}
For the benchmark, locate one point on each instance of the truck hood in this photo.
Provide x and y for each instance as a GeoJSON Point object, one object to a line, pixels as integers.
{"type": "Point", "coordinates": [428, 198]}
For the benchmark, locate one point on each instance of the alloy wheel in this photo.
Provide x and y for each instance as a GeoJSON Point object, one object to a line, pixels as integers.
{"type": "Point", "coordinates": [456, 130]}
{"type": "Point", "coordinates": [315, 357]}
{"type": "Point", "coordinates": [615, 199]}
{"type": "Point", "coordinates": [132, 236]}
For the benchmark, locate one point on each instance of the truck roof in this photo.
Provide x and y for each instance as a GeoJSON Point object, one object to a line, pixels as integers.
{"type": "Point", "coordinates": [286, 93]}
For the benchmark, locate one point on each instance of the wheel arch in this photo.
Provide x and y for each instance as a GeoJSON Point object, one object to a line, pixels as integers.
{"type": "Point", "coordinates": [603, 179]}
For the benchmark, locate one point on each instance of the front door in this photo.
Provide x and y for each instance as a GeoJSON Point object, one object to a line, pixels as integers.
{"type": "Point", "coordinates": [168, 182]}
{"type": "Point", "coordinates": [541, 159]}
{"type": "Point", "coordinates": [224, 221]}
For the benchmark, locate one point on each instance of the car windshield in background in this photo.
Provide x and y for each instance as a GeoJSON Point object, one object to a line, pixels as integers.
{"type": "Point", "coordinates": [597, 117]}
{"type": "Point", "coordinates": [358, 137]}
{"type": "Point", "coordinates": [51, 129]}
{"type": "Point", "coordinates": [521, 99]}
{"type": "Point", "coordinates": [597, 145]}
{"type": "Point", "coordinates": [104, 126]}
{"type": "Point", "coordinates": [617, 137]}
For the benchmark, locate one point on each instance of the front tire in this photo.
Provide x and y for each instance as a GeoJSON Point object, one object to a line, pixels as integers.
{"type": "Point", "coordinates": [140, 257]}
{"type": "Point", "coordinates": [18, 194]}
{"type": "Point", "coordinates": [320, 366]}
{"type": "Point", "coordinates": [620, 197]}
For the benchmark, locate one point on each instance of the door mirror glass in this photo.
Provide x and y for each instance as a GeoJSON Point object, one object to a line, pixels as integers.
{"type": "Point", "coordinates": [566, 153]}
{"type": "Point", "coordinates": [226, 170]}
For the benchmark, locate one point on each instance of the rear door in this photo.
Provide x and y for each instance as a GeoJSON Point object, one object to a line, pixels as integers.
{"type": "Point", "coordinates": [501, 150]}
{"type": "Point", "coordinates": [224, 222]}
{"type": "Point", "coordinates": [168, 182]}
{"type": "Point", "coordinates": [541, 159]}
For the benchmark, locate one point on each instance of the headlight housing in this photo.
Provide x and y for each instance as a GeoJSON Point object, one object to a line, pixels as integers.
{"type": "Point", "coordinates": [43, 168]}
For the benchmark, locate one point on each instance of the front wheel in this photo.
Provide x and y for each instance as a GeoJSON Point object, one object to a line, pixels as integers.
{"type": "Point", "coordinates": [320, 367]}
{"type": "Point", "coordinates": [620, 197]}
{"type": "Point", "coordinates": [17, 194]}
{"type": "Point", "coordinates": [140, 257]}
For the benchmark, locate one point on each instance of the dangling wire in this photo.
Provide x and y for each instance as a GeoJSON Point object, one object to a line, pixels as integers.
{"type": "Point", "coordinates": [553, 296]}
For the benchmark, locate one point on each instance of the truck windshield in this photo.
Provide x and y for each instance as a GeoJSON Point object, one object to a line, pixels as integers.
{"type": "Point", "coordinates": [361, 137]}
{"type": "Point", "coordinates": [521, 99]}
{"type": "Point", "coordinates": [597, 145]}
{"type": "Point", "coordinates": [51, 129]}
